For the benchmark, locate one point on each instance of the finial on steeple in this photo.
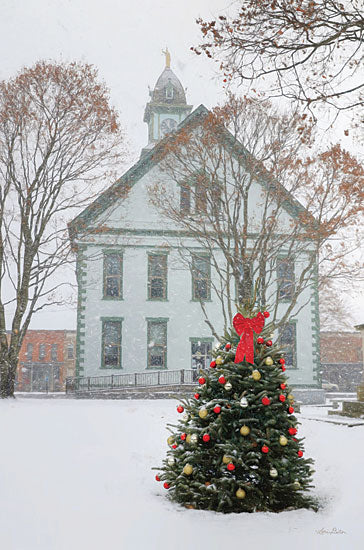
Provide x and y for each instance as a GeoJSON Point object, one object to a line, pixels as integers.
{"type": "Point", "coordinates": [168, 57]}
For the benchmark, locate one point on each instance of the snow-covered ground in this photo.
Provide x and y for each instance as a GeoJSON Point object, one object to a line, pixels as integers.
{"type": "Point", "coordinates": [76, 475]}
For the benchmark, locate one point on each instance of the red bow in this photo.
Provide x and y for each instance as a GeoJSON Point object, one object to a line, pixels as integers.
{"type": "Point", "coordinates": [245, 328]}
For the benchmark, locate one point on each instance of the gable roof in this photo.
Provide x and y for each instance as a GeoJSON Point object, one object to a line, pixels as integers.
{"type": "Point", "coordinates": [151, 158]}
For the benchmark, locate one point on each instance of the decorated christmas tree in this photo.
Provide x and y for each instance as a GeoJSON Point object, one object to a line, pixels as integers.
{"type": "Point", "coordinates": [236, 446]}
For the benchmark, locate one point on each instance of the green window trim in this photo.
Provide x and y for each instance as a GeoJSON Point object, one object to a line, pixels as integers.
{"type": "Point", "coordinates": [112, 282]}
{"type": "Point", "coordinates": [157, 276]}
{"type": "Point", "coordinates": [292, 349]}
{"type": "Point", "coordinates": [160, 348]}
{"type": "Point", "coordinates": [200, 277]}
{"type": "Point", "coordinates": [117, 344]}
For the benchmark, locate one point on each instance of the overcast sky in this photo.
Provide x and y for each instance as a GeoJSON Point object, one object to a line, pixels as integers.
{"type": "Point", "coordinates": [124, 40]}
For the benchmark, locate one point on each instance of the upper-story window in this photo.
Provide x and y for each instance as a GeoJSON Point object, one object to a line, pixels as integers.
{"type": "Point", "coordinates": [185, 199]}
{"type": "Point", "coordinates": [285, 278]}
{"type": "Point", "coordinates": [157, 276]}
{"type": "Point", "coordinates": [244, 284]}
{"type": "Point", "coordinates": [42, 351]}
{"type": "Point", "coordinates": [29, 353]}
{"type": "Point", "coordinates": [201, 278]}
{"type": "Point", "coordinates": [70, 351]}
{"type": "Point", "coordinates": [54, 352]}
{"type": "Point", "coordinates": [113, 270]}
{"type": "Point", "coordinates": [288, 341]}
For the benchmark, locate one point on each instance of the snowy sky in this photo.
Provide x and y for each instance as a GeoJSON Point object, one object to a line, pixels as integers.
{"type": "Point", "coordinates": [124, 40]}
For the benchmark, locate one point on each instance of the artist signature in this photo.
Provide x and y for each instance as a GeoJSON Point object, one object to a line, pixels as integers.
{"type": "Point", "coordinates": [333, 531]}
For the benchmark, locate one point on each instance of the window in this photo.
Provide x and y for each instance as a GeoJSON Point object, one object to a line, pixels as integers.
{"type": "Point", "coordinates": [244, 286]}
{"type": "Point", "coordinates": [111, 343]}
{"type": "Point", "coordinates": [54, 352]}
{"type": "Point", "coordinates": [201, 184]}
{"type": "Point", "coordinates": [285, 278]}
{"type": "Point", "coordinates": [70, 351]}
{"type": "Point", "coordinates": [201, 283]}
{"type": "Point", "coordinates": [287, 340]}
{"type": "Point", "coordinates": [185, 199]}
{"type": "Point", "coordinates": [41, 351]}
{"type": "Point", "coordinates": [200, 354]}
{"type": "Point", "coordinates": [157, 277]}
{"type": "Point", "coordinates": [169, 90]}
{"type": "Point", "coordinates": [157, 343]}
{"type": "Point", "coordinates": [29, 354]}
{"type": "Point", "coordinates": [112, 275]}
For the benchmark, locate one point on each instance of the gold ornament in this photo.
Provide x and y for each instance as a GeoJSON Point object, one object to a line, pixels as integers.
{"type": "Point", "coordinates": [273, 472]}
{"type": "Point", "coordinates": [207, 483]}
{"type": "Point", "coordinates": [188, 470]}
{"type": "Point", "coordinates": [219, 360]}
{"type": "Point", "coordinates": [240, 493]}
{"type": "Point", "coordinates": [194, 439]}
{"type": "Point", "coordinates": [283, 440]}
{"type": "Point", "coordinates": [290, 397]}
{"type": "Point", "coordinates": [202, 413]}
{"type": "Point", "coordinates": [245, 430]}
{"type": "Point", "coordinates": [256, 375]}
{"type": "Point", "coordinates": [228, 386]}
{"type": "Point", "coordinates": [170, 440]}
{"type": "Point", "coordinates": [296, 485]}
{"type": "Point", "coordinates": [226, 459]}
{"type": "Point", "coordinates": [269, 361]}
{"type": "Point", "coordinates": [188, 438]}
{"type": "Point", "coordinates": [185, 417]}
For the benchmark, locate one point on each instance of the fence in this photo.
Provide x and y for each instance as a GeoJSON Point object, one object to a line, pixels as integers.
{"type": "Point", "coordinates": [131, 380]}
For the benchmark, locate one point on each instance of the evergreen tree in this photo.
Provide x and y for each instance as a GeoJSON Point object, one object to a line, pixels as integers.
{"type": "Point", "coordinates": [236, 447]}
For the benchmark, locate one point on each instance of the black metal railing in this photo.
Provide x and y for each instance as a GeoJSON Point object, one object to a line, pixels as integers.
{"type": "Point", "coordinates": [130, 380]}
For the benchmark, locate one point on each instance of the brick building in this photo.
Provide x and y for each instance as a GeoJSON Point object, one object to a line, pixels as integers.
{"type": "Point", "coordinates": [46, 358]}
{"type": "Point", "coordinates": [342, 359]}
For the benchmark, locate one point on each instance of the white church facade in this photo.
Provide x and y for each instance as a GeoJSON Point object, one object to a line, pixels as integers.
{"type": "Point", "coordinates": [138, 304]}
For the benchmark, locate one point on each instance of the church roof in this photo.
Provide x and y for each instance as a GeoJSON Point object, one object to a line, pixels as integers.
{"type": "Point", "coordinates": [151, 158]}
{"type": "Point", "coordinates": [168, 78]}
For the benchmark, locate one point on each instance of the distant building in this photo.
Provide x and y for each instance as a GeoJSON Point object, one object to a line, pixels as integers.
{"type": "Point", "coordinates": [342, 359]}
{"type": "Point", "coordinates": [46, 358]}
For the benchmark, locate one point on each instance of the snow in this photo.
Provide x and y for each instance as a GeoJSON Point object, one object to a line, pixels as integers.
{"type": "Point", "coordinates": [77, 475]}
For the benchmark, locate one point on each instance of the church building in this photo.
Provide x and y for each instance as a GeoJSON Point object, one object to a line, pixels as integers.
{"type": "Point", "coordinates": [138, 305]}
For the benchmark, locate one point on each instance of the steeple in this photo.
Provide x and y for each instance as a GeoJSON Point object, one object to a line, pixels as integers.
{"type": "Point", "coordinates": [167, 107]}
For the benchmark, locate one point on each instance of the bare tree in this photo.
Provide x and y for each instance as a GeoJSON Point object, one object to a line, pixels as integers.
{"type": "Point", "coordinates": [59, 138]}
{"type": "Point", "coordinates": [235, 196]}
{"type": "Point", "coordinates": [308, 51]}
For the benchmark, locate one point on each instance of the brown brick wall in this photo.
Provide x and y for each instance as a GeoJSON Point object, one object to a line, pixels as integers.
{"type": "Point", "coordinates": [341, 347]}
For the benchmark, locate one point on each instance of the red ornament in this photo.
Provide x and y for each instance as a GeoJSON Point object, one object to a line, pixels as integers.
{"type": "Point", "coordinates": [174, 446]}
{"type": "Point", "coordinates": [292, 431]}
{"type": "Point", "coordinates": [166, 485]}
{"type": "Point", "coordinates": [197, 396]}
{"type": "Point", "coordinates": [281, 361]}
{"type": "Point", "coordinates": [269, 343]}
{"type": "Point", "coordinates": [157, 478]}
{"type": "Point", "coordinates": [282, 398]}
{"type": "Point", "coordinates": [222, 379]}
{"type": "Point", "coordinates": [266, 314]}
{"type": "Point", "coordinates": [206, 438]}
{"type": "Point", "coordinates": [290, 410]}
{"type": "Point", "coordinates": [230, 467]}
{"type": "Point", "coordinates": [217, 409]}
{"type": "Point", "coordinates": [283, 368]}
{"type": "Point", "coordinates": [183, 436]}
{"type": "Point", "coordinates": [245, 327]}
{"type": "Point", "coordinates": [300, 453]}
{"type": "Point", "coordinates": [180, 409]}
{"type": "Point", "coordinates": [201, 380]}
{"type": "Point", "coordinates": [266, 401]}
{"type": "Point", "coordinates": [265, 449]}
{"type": "Point", "coordinates": [294, 439]}
{"type": "Point", "coordinates": [213, 364]}
{"type": "Point", "coordinates": [260, 340]}
{"type": "Point", "coordinates": [228, 347]}
{"type": "Point", "coordinates": [283, 386]}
